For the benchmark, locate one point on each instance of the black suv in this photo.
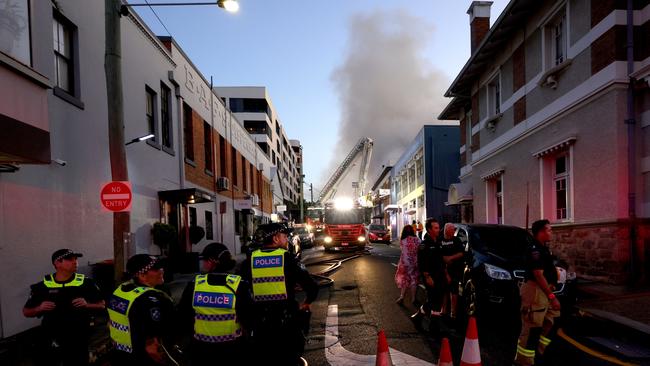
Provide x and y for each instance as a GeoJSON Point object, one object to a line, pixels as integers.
{"type": "Point", "coordinates": [494, 270]}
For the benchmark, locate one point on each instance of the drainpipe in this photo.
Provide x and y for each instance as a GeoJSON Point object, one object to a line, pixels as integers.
{"type": "Point", "coordinates": [631, 143]}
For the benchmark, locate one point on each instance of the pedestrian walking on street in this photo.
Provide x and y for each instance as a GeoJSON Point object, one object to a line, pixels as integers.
{"type": "Point", "coordinates": [452, 256]}
{"type": "Point", "coordinates": [65, 300]}
{"type": "Point", "coordinates": [277, 320]}
{"type": "Point", "coordinates": [432, 268]}
{"type": "Point", "coordinates": [419, 228]}
{"type": "Point", "coordinates": [406, 276]}
{"type": "Point", "coordinates": [213, 309]}
{"type": "Point", "coordinates": [539, 306]}
{"type": "Point", "coordinates": [141, 316]}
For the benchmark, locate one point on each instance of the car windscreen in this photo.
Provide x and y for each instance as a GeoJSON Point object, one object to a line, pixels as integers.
{"type": "Point", "coordinates": [377, 227]}
{"type": "Point", "coordinates": [508, 243]}
{"type": "Point", "coordinates": [341, 217]}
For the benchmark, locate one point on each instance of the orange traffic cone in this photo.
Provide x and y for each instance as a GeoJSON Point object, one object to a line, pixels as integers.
{"type": "Point", "coordinates": [471, 353]}
{"type": "Point", "coordinates": [445, 354]}
{"type": "Point", "coordinates": [383, 354]}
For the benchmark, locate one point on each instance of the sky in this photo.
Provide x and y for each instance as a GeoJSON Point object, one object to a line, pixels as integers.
{"type": "Point", "coordinates": [336, 70]}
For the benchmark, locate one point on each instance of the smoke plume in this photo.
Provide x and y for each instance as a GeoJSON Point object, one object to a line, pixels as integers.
{"type": "Point", "coordinates": [387, 89]}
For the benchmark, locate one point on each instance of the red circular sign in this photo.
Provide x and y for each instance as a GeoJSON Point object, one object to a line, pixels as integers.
{"type": "Point", "coordinates": [116, 196]}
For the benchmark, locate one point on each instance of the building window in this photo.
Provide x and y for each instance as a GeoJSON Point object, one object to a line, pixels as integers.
{"type": "Point", "coordinates": [14, 19]}
{"type": "Point", "coordinates": [222, 156]}
{"type": "Point", "coordinates": [188, 132]}
{"type": "Point", "coordinates": [244, 174]}
{"type": "Point", "coordinates": [494, 201]}
{"type": "Point", "coordinates": [238, 222]}
{"type": "Point", "coordinates": [233, 161]}
{"type": "Point", "coordinates": [557, 186]}
{"type": "Point", "coordinates": [150, 115]}
{"type": "Point", "coordinates": [63, 61]}
{"type": "Point", "coordinates": [207, 142]}
{"type": "Point", "coordinates": [494, 96]}
{"type": "Point", "coordinates": [560, 182]}
{"type": "Point", "coordinates": [165, 116]}
{"type": "Point", "coordinates": [209, 232]}
{"type": "Point", "coordinates": [556, 39]}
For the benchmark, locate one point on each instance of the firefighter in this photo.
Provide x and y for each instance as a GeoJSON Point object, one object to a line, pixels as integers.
{"type": "Point", "coordinates": [141, 316]}
{"type": "Point", "coordinates": [64, 300]}
{"type": "Point", "coordinates": [277, 330]}
{"type": "Point", "coordinates": [216, 304]}
{"type": "Point", "coordinates": [539, 306]}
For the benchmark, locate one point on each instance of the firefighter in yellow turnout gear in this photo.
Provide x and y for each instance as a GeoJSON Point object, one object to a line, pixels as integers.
{"type": "Point", "coordinates": [216, 303]}
{"type": "Point", "coordinates": [539, 307]}
{"type": "Point", "coordinates": [277, 332]}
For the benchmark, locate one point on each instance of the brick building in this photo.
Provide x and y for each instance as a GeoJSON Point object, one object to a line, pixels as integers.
{"type": "Point", "coordinates": [554, 125]}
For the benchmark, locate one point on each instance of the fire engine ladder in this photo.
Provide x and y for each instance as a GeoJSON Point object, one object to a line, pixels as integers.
{"type": "Point", "coordinates": [364, 146]}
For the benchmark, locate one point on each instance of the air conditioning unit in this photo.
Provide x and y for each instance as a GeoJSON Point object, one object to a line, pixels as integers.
{"type": "Point", "coordinates": [223, 184]}
{"type": "Point", "coordinates": [255, 200]}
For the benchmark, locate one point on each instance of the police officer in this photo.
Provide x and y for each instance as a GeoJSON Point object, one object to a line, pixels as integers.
{"type": "Point", "coordinates": [64, 300]}
{"type": "Point", "coordinates": [452, 255]}
{"type": "Point", "coordinates": [141, 316]}
{"type": "Point", "coordinates": [274, 273]}
{"type": "Point", "coordinates": [539, 306]}
{"type": "Point", "coordinates": [431, 267]}
{"type": "Point", "coordinates": [216, 304]}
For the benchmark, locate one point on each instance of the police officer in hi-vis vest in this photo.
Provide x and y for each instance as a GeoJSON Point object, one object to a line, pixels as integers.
{"type": "Point", "coordinates": [141, 316]}
{"type": "Point", "coordinates": [64, 299]}
{"type": "Point", "coordinates": [214, 306]}
{"type": "Point", "coordinates": [274, 272]}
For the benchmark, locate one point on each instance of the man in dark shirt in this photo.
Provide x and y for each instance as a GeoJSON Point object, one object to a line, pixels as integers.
{"type": "Point", "coordinates": [64, 300]}
{"type": "Point", "coordinates": [274, 274]}
{"type": "Point", "coordinates": [148, 333]}
{"type": "Point", "coordinates": [452, 255]}
{"type": "Point", "coordinates": [216, 262]}
{"type": "Point", "coordinates": [539, 306]}
{"type": "Point", "coordinates": [431, 267]}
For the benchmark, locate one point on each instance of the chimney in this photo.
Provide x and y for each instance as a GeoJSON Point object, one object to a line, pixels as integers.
{"type": "Point", "coordinates": [479, 21]}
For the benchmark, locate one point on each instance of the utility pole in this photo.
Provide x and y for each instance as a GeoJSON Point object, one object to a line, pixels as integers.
{"type": "Point", "coordinates": [302, 200]}
{"type": "Point", "coordinates": [119, 172]}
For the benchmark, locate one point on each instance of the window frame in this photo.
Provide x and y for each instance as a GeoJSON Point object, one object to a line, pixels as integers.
{"type": "Point", "coordinates": [557, 178]}
{"type": "Point", "coordinates": [165, 90]}
{"type": "Point", "coordinates": [495, 200]}
{"type": "Point", "coordinates": [154, 109]}
{"type": "Point", "coordinates": [209, 225]}
{"type": "Point", "coordinates": [549, 52]}
{"type": "Point", "coordinates": [188, 134]}
{"type": "Point", "coordinates": [548, 179]}
{"type": "Point", "coordinates": [73, 94]}
{"type": "Point", "coordinates": [207, 148]}
{"type": "Point", "coordinates": [29, 60]}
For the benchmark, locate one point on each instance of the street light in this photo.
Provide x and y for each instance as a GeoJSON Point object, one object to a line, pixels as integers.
{"type": "Point", "coordinates": [231, 6]}
{"type": "Point", "coordinates": [141, 138]}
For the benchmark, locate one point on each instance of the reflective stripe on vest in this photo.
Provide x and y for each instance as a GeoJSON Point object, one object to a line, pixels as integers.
{"type": "Point", "coordinates": [76, 282]}
{"type": "Point", "coordinates": [118, 307]}
{"type": "Point", "coordinates": [214, 310]}
{"type": "Point", "coordinates": [267, 270]}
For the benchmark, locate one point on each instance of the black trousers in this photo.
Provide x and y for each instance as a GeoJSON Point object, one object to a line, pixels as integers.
{"type": "Point", "coordinates": [62, 350]}
{"type": "Point", "coordinates": [226, 353]}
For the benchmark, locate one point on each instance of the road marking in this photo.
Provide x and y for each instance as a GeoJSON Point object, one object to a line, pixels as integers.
{"type": "Point", "coordinates": [337, 355]}
{"type": "Point", "coordinates": [590, 351]}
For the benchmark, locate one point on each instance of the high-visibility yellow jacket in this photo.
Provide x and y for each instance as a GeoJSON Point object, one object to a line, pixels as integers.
{"type": "Point", "coordinates": [268, 279]}
{"type": "Point", "coordinates": [215, 318]}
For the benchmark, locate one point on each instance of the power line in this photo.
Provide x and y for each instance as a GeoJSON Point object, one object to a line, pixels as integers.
{"type": "Point", "coordinates": [159, 20]}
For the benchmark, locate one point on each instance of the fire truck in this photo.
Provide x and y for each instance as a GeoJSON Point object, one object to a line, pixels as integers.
{"type": "Point", "coordinates": [344, 207]}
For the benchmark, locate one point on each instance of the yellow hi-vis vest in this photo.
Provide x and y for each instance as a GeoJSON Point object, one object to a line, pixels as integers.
{"type": "Point", "coordinates": [76, 282]}
{"type": "Point", "coordinates": [267, 270]}
{"type": "Point", "coordinates": [118, 312]}
{"type": "Point", "coordinates": [215, 318]}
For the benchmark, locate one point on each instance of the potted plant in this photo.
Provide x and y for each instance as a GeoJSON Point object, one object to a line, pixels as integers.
{"type": "Point", "coordinates": [164, 235]}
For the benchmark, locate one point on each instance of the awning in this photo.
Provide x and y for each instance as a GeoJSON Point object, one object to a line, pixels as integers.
{"type": "Point", "coordinates": [459, 193]}
{"type": "Point", "coordinates": [391, 208]}
{"type": "Point", "coordinates": [411, 211]}
{"type": "Point", "coordinates": [555, 147]}
{"type": "Point", "coordinates": [187, 196]}
{"type": "Point", "coordinates": [493, 174]}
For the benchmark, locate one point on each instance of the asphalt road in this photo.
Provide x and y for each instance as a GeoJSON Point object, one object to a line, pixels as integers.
{"type": "Point", "coordinates": [364, 293]}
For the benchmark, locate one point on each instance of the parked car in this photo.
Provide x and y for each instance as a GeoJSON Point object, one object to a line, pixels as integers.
{"type": "Point", "coordinates": [305, 235]}
{"type": "Point", "coordinates": [495, 266]}
{"type": "Point", "coordinates": [378, 233]}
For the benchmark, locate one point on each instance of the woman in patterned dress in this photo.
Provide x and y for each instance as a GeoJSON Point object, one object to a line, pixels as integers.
{"type": "Point", "coordinates": [406, 276]}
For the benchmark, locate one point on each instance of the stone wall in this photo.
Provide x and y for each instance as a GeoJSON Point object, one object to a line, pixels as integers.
{"type": "Point", "coordinates": [601, 251]}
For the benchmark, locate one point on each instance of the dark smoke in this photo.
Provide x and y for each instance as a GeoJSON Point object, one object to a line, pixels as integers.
{"type": "Point", "coordinates": [386, 88]}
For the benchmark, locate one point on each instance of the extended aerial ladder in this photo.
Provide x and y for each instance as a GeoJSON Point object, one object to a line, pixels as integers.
{"type": "Point", "coordinates": [362, 149]}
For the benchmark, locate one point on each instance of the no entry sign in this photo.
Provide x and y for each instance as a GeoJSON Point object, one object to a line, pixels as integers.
{"type": "Point", "coordinates": [116, 196]}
